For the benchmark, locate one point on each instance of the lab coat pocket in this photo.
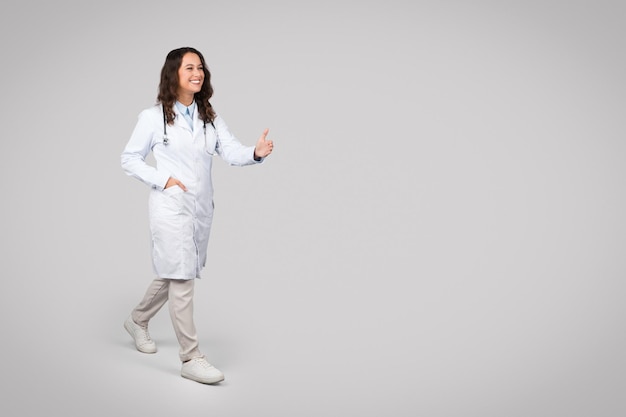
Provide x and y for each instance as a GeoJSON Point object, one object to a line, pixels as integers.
{"type": "Point", "coordinates": [173, 190]}
{"type": "Point", "coordinates": [169, 202]}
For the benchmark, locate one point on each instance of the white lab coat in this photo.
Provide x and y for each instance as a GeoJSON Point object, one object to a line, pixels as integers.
{"type": "Point", "coordinates": [180, 222]}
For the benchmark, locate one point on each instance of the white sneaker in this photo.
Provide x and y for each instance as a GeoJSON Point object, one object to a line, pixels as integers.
{"type": "Point", "coordinates": [199, 370]}
{"type": "Point", "coordinates": [140, 335]}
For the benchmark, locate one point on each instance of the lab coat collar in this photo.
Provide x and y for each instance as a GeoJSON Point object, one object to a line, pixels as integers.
{"type": "Point", "coordinates": [181, 122]}
{"type": "Point", "coordinates": [197, 122]}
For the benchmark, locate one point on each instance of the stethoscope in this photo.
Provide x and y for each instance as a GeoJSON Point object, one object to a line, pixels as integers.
{"type": "Point", "coordinates": [166, 140]}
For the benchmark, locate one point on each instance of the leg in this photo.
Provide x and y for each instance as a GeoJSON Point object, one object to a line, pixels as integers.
{"type": "Point", "coordinates": [181, 313]}
{"type": "Point", "coordinates": [195, 366]}
{"type": "Point", "coordinates": [137, 323]}
{"type": "Point", "coordinates": [153, 300]}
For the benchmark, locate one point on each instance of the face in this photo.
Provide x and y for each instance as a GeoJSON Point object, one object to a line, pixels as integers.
{"type": "Point", "coordinates": [190, 75]}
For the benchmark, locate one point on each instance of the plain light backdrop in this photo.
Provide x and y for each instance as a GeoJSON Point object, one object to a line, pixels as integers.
{"type": "Point", "coordinates": [439, 232]}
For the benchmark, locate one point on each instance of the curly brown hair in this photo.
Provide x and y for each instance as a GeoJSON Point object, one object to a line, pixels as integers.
{"type": "Point", "coordinates": [168, 87]}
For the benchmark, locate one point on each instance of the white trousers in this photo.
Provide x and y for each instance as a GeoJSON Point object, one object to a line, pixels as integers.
{"type": "Point", "coordinates": [179, 293]}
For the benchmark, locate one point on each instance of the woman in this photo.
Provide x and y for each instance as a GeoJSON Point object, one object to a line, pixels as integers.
{"type": "Point", "coordinates": [183, 132]}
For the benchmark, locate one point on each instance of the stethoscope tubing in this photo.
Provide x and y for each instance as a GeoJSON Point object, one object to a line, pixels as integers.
{"type": "Point", "coordinates": [166, 139]}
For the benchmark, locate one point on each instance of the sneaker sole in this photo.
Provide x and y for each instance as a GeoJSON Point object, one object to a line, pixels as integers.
{"type": "Point", "coordinates": [132, 334]}
{"type": "Point", "coordinates": [208, 381]}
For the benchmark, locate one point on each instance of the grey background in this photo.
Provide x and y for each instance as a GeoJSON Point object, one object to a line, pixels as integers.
{"type": "Point", "coordinates": [439, 232]}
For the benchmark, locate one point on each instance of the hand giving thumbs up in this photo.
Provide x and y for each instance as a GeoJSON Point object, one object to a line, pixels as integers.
{"type": "Point", "coordinates": [263, 146]}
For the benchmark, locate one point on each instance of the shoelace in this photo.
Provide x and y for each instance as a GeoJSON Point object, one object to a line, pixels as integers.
{"type": "Point", "coordinates": [202, 362]}
{"type": "Point", "coordinates": [144, 336]}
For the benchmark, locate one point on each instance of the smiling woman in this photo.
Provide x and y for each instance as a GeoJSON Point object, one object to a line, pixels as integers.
{"type": "Point", "coordinates": [191, 76]}
{"type": "Point", "coordinates": [181, 199]}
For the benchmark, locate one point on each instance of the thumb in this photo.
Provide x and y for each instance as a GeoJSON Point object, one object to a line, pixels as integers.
{"type": "Point", "coordinates": [264, 135]}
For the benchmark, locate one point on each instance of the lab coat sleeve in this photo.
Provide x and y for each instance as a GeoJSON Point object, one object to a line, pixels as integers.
{"type": "Point", "coordinates": [230, 149]}
{"type": "Point", "coordinates": [139, 146]}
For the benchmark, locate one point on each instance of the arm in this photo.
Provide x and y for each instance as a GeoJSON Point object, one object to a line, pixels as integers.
{"type": "Point", "coordinates": [233, 151]}
{"type": "Point", "coordinates": [139, 146]}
